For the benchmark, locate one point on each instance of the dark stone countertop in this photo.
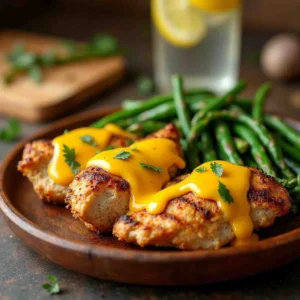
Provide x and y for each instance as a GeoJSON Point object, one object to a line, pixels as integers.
{"type": "Point", "coordinates": [22, 271]}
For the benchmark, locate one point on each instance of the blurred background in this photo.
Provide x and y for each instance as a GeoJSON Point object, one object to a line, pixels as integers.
{"type": "Point", "coordinates": [130, 23]}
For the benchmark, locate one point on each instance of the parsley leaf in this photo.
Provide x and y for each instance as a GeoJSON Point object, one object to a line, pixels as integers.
{"type": "Point", "coordinates": [153, 168]}
{"type": "Point", "coordinates": [123, 155]}
{"type": "Point", "coordinates": [200, 170]}
{"type": "Point", "coordinates": [66, 131]}
{"type": "Point", "coordinates": [35, 73]}
{"type": "Point", "coordinates": [105, 45]}
{"type": "Point", "coordinates": [97, 152]}
{"type": "Point", "coordinates": [53, 287]}
{"type": "Point", "coordinates": [11, 131]}
{"type": "Point", "coordinates": [88, 139]}
{"type": "Point", "coordinates": [145, 85]}
{"type": "Point", "coordinates": [134, 149]}
{"type": "Point", "coordinates": [109, 147]}
{"type": "Point", "coordinates": [217, 168]}
{"type": "Point", "coordinates": [224, 193]}
{"type": "Point", "coordinates": [69, 154]}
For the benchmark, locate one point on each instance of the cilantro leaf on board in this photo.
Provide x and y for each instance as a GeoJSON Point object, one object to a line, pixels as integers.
{"type": "Point", "coordinates": [88, 139]}
{"type": "Point", "coordinates": [123, 155]}
{"type": "Point", "coordinates": [152, 168]}
{"type": "Point", "coordinates": [217, 168]}
{"type": "Point", "coordinates": [225, 193]}
{"type": "Point", "coordinates": [69, 154]}
{"type": "Point", "coordinates": [53, 287]}
{"type": "Point", "coordinates": [200, 170]}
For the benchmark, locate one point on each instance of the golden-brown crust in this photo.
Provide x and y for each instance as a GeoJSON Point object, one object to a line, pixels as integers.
{"type": "Point", "coordinates": [190, 222]}
{"type": "Point", "coordinates": [86, 198]}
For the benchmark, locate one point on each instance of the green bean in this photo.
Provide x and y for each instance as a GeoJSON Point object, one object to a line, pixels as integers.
{"type": "Point", "coordinates": [241, 145]}
{"type": "Point", "coordinates": [259, 101]}
{"type": "Point", "coordinates": [150, 103]}
{"type": "Point", "coordinates": [208, 153]}
{"type": "Point", "coordinates": [288, 149]}
{"type": "Point", "coordinates": [293, 165]}
{"type": "Point", "coordinates": [220, 102]}
{"type": "Point", "coordinates": [257, 150]}
{"type": "Point", "coordinates": [146, 127]}
{"type": "Point", "coordinates": [249, 162]}
{"type": "Point", "coordinates": [225, 143]}
{"type": "Point", "coordinates": [290, 184]}
{"type": "Point", "coordinates": [261, 131]}
{"type": "Point", "coordinates": [184, 118]}
{"type": "Point", "coordinates": [280, 126]}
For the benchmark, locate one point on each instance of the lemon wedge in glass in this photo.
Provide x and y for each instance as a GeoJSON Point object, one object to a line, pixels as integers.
{"type": "Point", "coordinates": [178, 22]}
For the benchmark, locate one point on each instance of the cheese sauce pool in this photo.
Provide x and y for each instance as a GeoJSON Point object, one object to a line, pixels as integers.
{"type": "Point", "coordinates": [58, 169]}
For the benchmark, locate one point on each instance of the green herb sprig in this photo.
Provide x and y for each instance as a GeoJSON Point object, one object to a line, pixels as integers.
{"type": "Point", "coordinates": [217, 169]}
{"type": "Point", "coordinates": [52, 287]}
{"type": "Point", "coordinates": [88, 139]}
{"type": "Point", "coordinates": [152, 168]}
{"type": "Point", "coordinates": [200, 170]}
{"type": "Point", "coordinates": [30, 63]}
{"type": "Point", "coordinates": [69, 154]}
{"type": "Point", "coordinates": [122, 155]}
{"type": "Point", "coordinates": [225, 193]}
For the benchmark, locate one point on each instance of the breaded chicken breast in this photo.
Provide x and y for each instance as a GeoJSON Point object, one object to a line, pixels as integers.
{"type": "Point", "coordinates": [34, 165]}
{"type": "Point", "coordinates": [190, 222]}
{"type": "Point", "coordinates": [99, 198]}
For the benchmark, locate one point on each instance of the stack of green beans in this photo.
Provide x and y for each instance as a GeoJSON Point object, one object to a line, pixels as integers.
{"type": "Point", "coordinates": [225, 127]}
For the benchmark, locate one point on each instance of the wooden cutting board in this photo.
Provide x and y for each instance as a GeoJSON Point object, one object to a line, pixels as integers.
{"type": "Point", "coordinates": [63, 87]}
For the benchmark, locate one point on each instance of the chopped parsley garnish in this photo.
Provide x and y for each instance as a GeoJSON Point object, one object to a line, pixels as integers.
{"type": "Point", "coordinates": [145, 85]}
{"type": "Point", "coordinates": [88, 139]}
{"type": "Point", "coordinates": [109, 147]}
{"type": "Point", "coordinates": [134, 149]}
{"type": "Point", "coordinates": [200, 170]}
{"type": "Point", "coordinates": [66, 131]}
{"type": "Point", "coordinates": [97, 152]}
{"type": "Point", "coordinates": [123, 155]}
{"type": "Point", "coordinates": [69, 154]}
{"type": "Point", "coordinates": [152, 168]}
{"type": "Point", "coordinates": [52, 287]}
{"type": "Point", "coordinates": [225, 193]}
{"type": "Point", "coordinates": [217, 168]}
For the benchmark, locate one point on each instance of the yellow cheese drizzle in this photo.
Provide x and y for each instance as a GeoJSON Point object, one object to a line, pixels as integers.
{"type": "Point", "coordinates": [206, 184]}
{"type": "Point", "coordinates": [144, 182]}
{"type": "Point", "coordinates": [58, 169]}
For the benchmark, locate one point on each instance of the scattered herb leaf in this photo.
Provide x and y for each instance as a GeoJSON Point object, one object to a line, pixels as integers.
{"type": "Point", "coordinates": [200, 170]}
{"type": "Point", "coordinates": [145, 85]}
{"type": "Point", "coordinates": [109, 147]}
{"type": "Point", "coordinates": [53, 287]}
{"type": "Point", "coordinates": [88, 139]}
{"type": "Point", "coordinates": [225, 193]}
{"type": "Point", "coordinates": [69, 154]}
{"type": "Point", "coordinates": [97, 152]}
{"type": "Point", "coordinates": [35, 73]}
{"type": "Point", "coordinates": [134, 149]}
{"type": "Point", "coordinates": [11, 131]}
{"type": "Point", "coordinates": [153, 168]}
{"type": "Point", "coordinates": [66, 131]}
{"type": "Point", "coordinates": [123, 155]}
{"type": "Point", "coordinates": [217, 168]}
{"type": "Point", "coordinates": [105, 45]}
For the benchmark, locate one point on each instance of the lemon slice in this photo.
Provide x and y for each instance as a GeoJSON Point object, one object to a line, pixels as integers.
{"type": "Point", "coordinates": [216, 5]}
{"type": "Point", "coordinates": [178, 22]}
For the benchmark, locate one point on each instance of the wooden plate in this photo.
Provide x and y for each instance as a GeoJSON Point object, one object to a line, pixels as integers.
{"type": "Point", "coordinates": [52, 232]}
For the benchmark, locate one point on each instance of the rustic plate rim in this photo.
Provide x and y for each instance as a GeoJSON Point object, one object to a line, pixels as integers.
{"type": "Point", "coordinates": [33, 229]}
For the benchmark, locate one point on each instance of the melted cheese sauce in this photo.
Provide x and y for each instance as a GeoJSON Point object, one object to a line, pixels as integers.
{"type": "Point", "coordinates": [206, 185]}
{"type": "Point", "coordinates": [58, 169]}
{"type": "Point", "coordinates": [144, 182]}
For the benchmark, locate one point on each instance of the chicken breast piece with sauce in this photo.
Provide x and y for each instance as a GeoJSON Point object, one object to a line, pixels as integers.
{"type": "Point", "coordinates": [190, 222]}
{"type": "Point", "coordinates": [34, 165]}
{"type": "Point", "coordinates": [99, 198]}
